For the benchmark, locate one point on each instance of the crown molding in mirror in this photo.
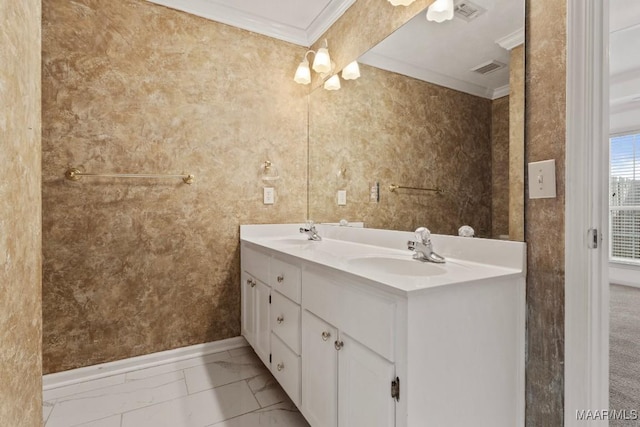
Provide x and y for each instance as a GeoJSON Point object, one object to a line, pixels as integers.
{"type": "Point", "coordinates": [393, 65]}
{"type": "Point", "coordinates": [512, 40]}
{"type": "Point", "coordinates": [247, 21]}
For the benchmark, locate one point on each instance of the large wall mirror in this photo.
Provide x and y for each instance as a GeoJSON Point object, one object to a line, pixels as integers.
{"type": "Point", "coordinates": [438, 106]}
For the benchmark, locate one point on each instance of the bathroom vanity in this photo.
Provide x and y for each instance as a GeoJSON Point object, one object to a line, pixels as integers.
{"type": "Point", "coordinates": [358, 333]}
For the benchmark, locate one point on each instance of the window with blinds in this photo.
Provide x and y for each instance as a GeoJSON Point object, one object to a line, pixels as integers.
{"type": "Point", "coordinates": [624, 205]}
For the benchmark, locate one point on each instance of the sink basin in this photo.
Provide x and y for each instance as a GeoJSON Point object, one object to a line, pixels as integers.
{"type": "Point", "coordinates": [396, 266]}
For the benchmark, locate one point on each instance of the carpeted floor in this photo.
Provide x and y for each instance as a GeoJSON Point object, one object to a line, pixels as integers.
{"type": "Point", "coordinates": [624, 352]}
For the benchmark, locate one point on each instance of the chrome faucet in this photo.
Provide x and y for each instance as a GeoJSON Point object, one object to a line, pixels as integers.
{"type": "Point", "coordinates": [310, 230]}
{"type": "Point", "coordinates": [423, 248]}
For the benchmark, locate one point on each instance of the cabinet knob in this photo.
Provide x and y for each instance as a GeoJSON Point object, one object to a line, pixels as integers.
{"type": "Point", "coordinates": [280, 366]}
{"type": "Point", "coordinates": [280, 319]}
{"type": "Point", "coordinates": [251, 282]}
{"type": "Point", "coordinates": [338, 345]}
{"type": "Point", "coordinates": [280, 278]}
{"type": "Point", "coordinates": [325, 335]}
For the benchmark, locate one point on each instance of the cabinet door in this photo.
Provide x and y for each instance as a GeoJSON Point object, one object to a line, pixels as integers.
{"type": "Point", "coordinates": [319, 372]}
{"type": "Point", "coordinates": [262, 345]}
{"type": "Point", "coordinates": [247, 286]}
{"type": "Point", "coordinates": [364, 387]}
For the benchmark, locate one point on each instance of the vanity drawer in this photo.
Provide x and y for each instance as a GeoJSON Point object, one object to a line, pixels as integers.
{"type": "Point", "coordinates": [285, 320]}
{"type": "Point", "coordinates": [255, 263]}
{"type": "Point", "coordinates": [285, 278]}
{"type": "Point", "coordinates": [285, 367]}
{"type": "Point", "coordinates": [363, 314]}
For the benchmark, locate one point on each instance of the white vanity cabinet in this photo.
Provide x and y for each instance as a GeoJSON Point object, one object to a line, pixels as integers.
{"type": "Point", "coordinates": [270, 300]}
{"type": "Point", "coordinates": [357, 347]}
{"type": "Point", "coordinates": [343, 382]}
{"type": "Point", "coordinates": [347, 352]}
{"type": "Point", "coordinates": [255, 295]}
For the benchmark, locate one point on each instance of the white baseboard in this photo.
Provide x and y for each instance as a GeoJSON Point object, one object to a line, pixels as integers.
{"type": "Point", "coordinates": [87, 373]}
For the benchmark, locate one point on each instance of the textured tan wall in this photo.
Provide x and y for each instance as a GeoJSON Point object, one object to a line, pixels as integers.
{"type": "Point", "coordinates": [138, 266]}
{"type": "Point", "coordinates": [20, 215]}
{"type": "Point", "coordinates": [500, 167]}
{"type": "Point", "coordinates": [545, 139]}
{"type": "Point", "coordinates": [390, 128]}
{"type": "Point", "coordinates": [516, 143]}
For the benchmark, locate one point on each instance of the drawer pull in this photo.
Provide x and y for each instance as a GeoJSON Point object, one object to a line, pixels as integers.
{"type": "Point", "coordinates": [325, 335]}
{"type": "Point", "coordinates": [251, 282]}
{"type": "Point", "coordinates": [280, 278]}
{"type": "Point", "coordinates": [280, 366]}
{"type": "Point", "coordinates": [280, 319]}
{"type": "Point", "coordinates": [338, 345]}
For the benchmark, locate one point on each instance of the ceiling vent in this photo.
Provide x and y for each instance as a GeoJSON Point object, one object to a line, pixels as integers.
{"type": "Point", "coordinates": [468, 11]}
{"type": "Point", "coordinates": [488, 67]}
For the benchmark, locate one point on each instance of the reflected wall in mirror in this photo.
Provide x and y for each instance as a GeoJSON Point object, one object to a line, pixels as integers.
{"type": "Point", "coordinates": [420, 117]}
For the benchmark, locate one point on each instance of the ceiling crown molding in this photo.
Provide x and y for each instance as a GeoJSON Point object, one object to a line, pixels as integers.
{"type": "Point", "coordinates": [247, 21]}
{"type": "Point", "coordinates": [501, 91]}
{"type": "Point", "coordinates": [326, 18]}
{"type": "Point", "coordinates": [512, 40]}
{"type": "Point", "coordinates": [393, 65]}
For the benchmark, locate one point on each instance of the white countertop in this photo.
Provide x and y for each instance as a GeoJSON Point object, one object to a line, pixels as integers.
{"type": "Point", "coordinates": [379, 257]}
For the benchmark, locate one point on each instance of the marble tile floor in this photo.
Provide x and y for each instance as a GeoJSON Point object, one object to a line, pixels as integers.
{"type": "Point", "coordinates": [226, 389]}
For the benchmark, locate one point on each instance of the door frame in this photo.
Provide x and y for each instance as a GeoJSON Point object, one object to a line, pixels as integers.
{"type": "Point", "coordinates": [586, 206]}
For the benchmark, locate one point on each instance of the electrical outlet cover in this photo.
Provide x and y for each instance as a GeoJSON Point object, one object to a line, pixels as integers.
{"type": "Point", "coordinates": [268, 195]}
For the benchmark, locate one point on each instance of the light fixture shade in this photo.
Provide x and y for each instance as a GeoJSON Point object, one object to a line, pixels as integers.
{"type": "Point", "coordinates": [303, 74]}
{"type": "Point", "coordinates": [351, 71]}
{"type": "Point", "coordinates": [333, 83]}
{"type": "Point", "coordinates": [322, 61]}
{"type": "Point", "coordinates": [401, 2]}
{"type": "Point", "coordinates": [441, 10]}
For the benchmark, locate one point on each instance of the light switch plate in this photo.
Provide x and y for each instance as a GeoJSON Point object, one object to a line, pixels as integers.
{"type": "Point", "coordinates": [342, 197]}
{"type": "Point", "coordinates": [542, 179]}
{"type": "Point", "coordinates": [269, 194]}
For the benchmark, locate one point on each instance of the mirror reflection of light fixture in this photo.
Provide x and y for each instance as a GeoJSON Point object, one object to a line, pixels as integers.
{"type": "Point", "coordinates": [401, 2]}
{"type": "Point", "coordinates": [351, 71]}
{"type": "Point", "coordinates": [332, 83]}
{"type": "Point", "coordinates": [441, 10]}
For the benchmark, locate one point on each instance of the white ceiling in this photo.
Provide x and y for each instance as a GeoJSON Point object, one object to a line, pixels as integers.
{"type": "Point", "coordinates": [624, 64]}
{"type": "Point", "coordinates": [300, 22]}
{"type": "Point", "coordinates": [446, 53]}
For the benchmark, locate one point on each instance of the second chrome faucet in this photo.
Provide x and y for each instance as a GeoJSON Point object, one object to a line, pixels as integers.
{"type": "Point", "coordinates": [423, 247]}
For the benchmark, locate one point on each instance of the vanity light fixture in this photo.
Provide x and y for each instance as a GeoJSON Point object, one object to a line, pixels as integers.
{"type": "Point", "coordinates": [441, 10]}
{"type": "Point", "coordinates": [332, 83]}
{"type": "Point", "coordinates": [321, 64]}
{"type": "Point", "coordinates": [351, 71]}
{"type": "Point", "coordinates": [401, 2]}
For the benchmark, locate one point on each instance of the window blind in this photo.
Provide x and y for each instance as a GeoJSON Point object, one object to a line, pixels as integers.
{"type": "Point", "coordinates": [624, 205]}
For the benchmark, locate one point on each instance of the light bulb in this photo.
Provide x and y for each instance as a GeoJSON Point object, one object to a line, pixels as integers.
{"type": "Point", "coordinates": [303, 74]}
{"type": "Point", "coordinates": [322, 61]}
{"type": "Point", "coordinates": [441, 10]}
{"type": "Point", "coordinates": [351, 71]}
{"type": "Point", "coordinates": [333, 83]}
{"type": "Point", "coordinates": [401, 2]}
